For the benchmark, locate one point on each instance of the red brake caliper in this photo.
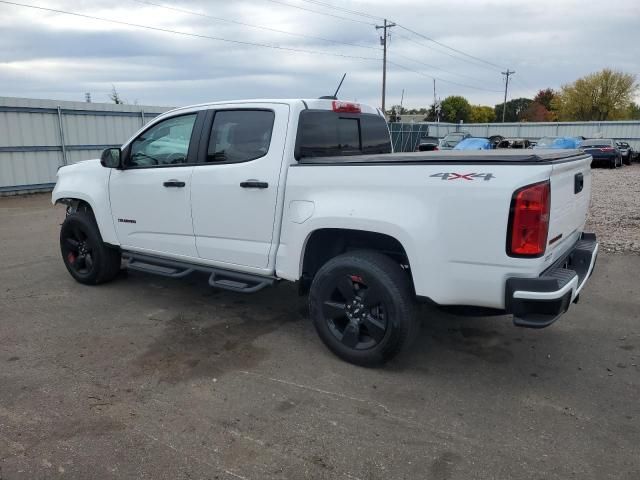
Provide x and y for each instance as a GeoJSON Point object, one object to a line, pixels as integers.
{"type": "Point", "coordinates": [71, 257]}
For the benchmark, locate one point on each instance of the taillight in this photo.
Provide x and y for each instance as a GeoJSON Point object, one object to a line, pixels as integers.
{"type": "Point", "coordinates": [607, 149]}
{"type": "Point", "coordinates": [345, 107]}
{"type": "Point", "coordinates": [529, 220]}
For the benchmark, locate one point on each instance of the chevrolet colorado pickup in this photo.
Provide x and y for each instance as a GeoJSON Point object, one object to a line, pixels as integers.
{"type": "Point", "coordinates": [309, 191]}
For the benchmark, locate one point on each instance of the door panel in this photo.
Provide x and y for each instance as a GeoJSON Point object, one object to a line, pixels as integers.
{"type": "Point", "coordinates": [151, 197]}
{"type": "Point", "coordinates": [234, 224]}
{"type": "Point", "coordinates": [149, 215]}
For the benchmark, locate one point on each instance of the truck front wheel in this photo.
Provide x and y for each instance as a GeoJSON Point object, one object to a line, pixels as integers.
{"type": "Point", "coordinates": [85, 255]}
{"type": "Point", "coordinates": [362, 306]}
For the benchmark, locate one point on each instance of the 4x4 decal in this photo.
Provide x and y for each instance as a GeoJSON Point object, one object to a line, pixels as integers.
{"type": "Point", "coordinates": [463, 176]}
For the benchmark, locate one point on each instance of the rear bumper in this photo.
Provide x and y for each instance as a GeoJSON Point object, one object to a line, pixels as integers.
{"type": "Point", "coordinates": [538, 302]}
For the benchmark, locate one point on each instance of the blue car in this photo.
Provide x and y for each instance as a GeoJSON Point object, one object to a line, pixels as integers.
{"type": "Point", "coordinates": [474, 143]}
{"type": "Point", "coordinates": [558, 142]}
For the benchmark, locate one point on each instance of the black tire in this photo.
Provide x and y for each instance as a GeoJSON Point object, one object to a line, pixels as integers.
{"type": "Point", "coordinates": [628, 160]}
{"type": "Point", "coordinates": [363, 308]}
{"type": "Point", "coordinates": [613, 164]}
{"type": "Point", "coordinates": [85, 255]}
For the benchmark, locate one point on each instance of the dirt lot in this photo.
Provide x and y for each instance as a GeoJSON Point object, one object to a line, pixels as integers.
{"type": "Point", "coordinates": [154, 378]}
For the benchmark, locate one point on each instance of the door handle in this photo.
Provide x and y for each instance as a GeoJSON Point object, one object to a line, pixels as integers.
{"type": "Point", "coordinates": [254, 184]}
{"type": "Point", "coordinates": [174, 183]}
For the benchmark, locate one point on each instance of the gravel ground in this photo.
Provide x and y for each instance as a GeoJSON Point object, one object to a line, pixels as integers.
{"type": "Point", "coordinates": [615, 208]}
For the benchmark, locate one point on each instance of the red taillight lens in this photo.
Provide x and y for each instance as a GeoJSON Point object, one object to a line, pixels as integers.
{"type": "Point", "coordinates": [607, 149]}
{"type": "Point", "coordinates": [346, 107]}
{"type": "Point", "coordinates": [529, 220]}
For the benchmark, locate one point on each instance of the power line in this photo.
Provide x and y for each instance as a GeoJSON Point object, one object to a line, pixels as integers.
{"type": "Point", "coordinates": [236, 22]}
{"type": "Point", "coordinates": [441, 79]}
{"type": "Point", "coordinates": [455, 57]}
{"type": "Point", "coordinates": [262, 27]}
{"type": "Point", "coordinates": [321, 13]}
{"type": "Point", "coordinates": [367, 15]}
{"type": "Point", "coordinates": [187, 34]}
{"type": "Point", "coordinates": [448, 47]}
{"type": "Point", "coordinates": [221, 39]}
{"type": "Point", "coordinates": [346, 10]}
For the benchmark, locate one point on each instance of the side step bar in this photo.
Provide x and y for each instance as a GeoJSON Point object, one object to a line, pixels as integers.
{"type": "Point", "coordinates": [218, 278]}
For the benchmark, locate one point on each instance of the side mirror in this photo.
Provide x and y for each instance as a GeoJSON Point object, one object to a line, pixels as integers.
{"type": "Point", "coordinates": [110, 158]}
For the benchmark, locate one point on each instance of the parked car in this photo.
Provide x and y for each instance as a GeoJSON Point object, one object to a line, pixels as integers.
{"type": "Point", "coordinates": [558, 142]}
{"type": "Point", "coordinates": [450, 140]}
{"type": "Point", "coordinates": [520, 143]}
{"type": "Point", "coordinates": [625, 151]}
{"type": "Point", "coordinates": [428, 144]}
{"type": "Point", "coordinates": [603, 150]}
{"type": "Point", "coordinates": [479, 143]}
{"type": "Point", "coordinates": [474, 143]}
{"type": "Point", "coordinates": [307, 191]}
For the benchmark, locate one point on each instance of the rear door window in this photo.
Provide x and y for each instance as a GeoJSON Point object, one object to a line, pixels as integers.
{"type": "Point", "coordinates": [240, 135]}
{"type": "Point", "coordinates": [324, 133]}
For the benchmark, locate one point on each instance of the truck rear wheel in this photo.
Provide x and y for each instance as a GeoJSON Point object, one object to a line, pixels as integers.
{"type": "Point", "coordinates": [85, 255]}
{"type": "Point", "coordinates": [362, 307]}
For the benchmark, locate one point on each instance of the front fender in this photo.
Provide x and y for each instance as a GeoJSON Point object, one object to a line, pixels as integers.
{"type": "Point", "coordinates": [88, 181]}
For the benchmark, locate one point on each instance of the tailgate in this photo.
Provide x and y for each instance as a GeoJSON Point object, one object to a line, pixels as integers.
{"type": "Point", "coordinates": [570, 199]}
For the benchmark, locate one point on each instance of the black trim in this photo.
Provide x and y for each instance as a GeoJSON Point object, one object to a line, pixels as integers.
{"type": "Point", "coordinates": [218, 277]}
{"type": "Point", "coordinates": [542, 313]}
{"type": "Point", "coordinates": [449, 157]}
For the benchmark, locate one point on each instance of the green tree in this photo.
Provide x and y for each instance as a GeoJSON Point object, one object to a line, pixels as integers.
{"type": "Point", "coordinates": [515, 109]}
{"type": "Point", "coordinates": [604, 95]}
{"type": "Point", "coordinates": [454, 109]}
{"type": "Point", "coordinates": [634, 111]}
{"type": "Point", "coordinates": [482, 114]}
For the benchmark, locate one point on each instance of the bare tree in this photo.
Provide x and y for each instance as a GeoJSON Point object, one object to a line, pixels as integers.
{"type": "Point", "coordinates": [115, 97]}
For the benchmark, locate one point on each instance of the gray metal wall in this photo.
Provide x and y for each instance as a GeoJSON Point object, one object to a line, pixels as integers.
{"type": "Point", "coordinates": [405, 135]}
{"type": "Point", "coordinates": [38, 136]}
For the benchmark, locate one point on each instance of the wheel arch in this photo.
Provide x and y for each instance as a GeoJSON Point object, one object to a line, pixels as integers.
{"type": "Point", "coordinates": [325, 243]}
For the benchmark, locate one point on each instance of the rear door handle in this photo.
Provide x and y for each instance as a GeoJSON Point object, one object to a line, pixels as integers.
{"type": "Point", "coordinates": [174, 183]}
{"type": "Point", "coordinates": [254, 184]}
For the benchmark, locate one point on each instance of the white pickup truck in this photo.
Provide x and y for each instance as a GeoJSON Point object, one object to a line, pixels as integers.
{"type": "Point", "coordinates": [258, 191]}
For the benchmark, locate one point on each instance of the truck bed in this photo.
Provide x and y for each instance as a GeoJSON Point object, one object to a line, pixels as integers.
{"type": "Point", "coordinates": [485, 157]}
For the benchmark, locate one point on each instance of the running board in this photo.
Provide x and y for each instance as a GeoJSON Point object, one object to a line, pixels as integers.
{"type": "Point", "coordinates": [218, 278]}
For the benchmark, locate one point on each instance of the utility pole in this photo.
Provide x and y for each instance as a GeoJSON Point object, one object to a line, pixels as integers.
{"type": "Point", "coordinates": [383, 42]}
{"type": "Point", "coordinates": [435, 102]}
{"type": "Point", "coordinates": [506, 87]}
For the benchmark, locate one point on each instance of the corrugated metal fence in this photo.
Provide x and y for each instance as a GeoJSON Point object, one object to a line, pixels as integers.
{"type": "Point", "coordinates": [405, 136]}
{"type": "Point", "coordinates": [38, 136]}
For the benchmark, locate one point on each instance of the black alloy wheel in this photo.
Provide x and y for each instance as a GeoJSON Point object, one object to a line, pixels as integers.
{"type": "Point", "coordinates": [77, 251]}
{"type": "Point", "coordinates": [362, 305]}
{"type": "Point", "coordinates": [355, 313]}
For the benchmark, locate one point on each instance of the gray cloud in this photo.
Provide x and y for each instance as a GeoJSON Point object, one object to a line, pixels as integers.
{"type": "Point", "coordinates": [547, 42]}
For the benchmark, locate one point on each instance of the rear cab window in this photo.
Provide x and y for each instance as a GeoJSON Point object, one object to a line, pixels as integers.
{"type": "Point", "coordinates": [324, 133]}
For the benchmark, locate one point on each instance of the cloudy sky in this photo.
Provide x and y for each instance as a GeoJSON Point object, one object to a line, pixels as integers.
{"type": "Point", "coordinates": [44, 54]}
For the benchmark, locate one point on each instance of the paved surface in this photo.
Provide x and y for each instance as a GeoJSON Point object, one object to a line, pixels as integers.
{"type": "Point", "coordinates": [160, 379]}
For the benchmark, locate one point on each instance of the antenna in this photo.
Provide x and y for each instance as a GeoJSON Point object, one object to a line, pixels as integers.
{"type": "Point", "coordinates": [335, 95]}
{"type": "Point", "coordinates": [339, 85]}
